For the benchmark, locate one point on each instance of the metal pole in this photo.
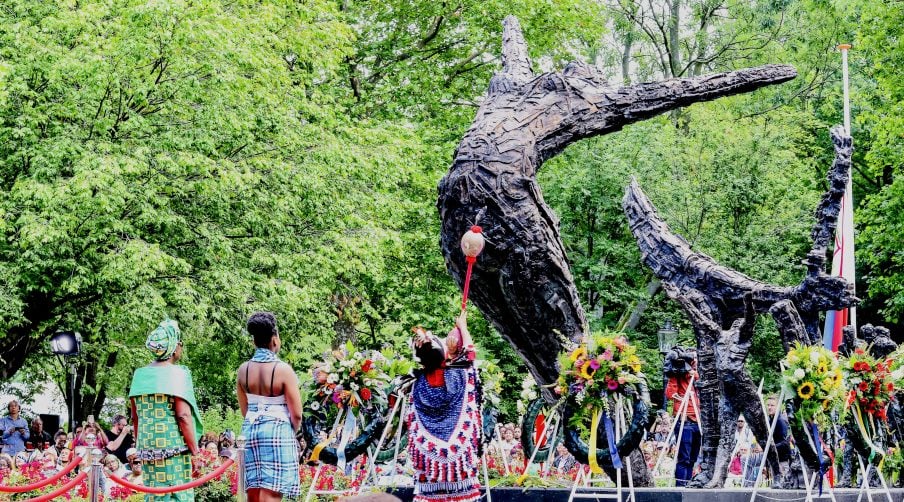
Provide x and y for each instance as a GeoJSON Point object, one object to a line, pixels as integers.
{"type": "Point", "coordinates": [844, 77]}
{"type": "Point", "coordinates": [240, 494]}
{"type": "Point", "coordinates": [94, 474]}
{"type": "Point", "coordinates": [72, 369]}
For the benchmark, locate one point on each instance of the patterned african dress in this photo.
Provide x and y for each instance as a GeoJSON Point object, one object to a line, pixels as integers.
{"type": "Point", "coordinates": [166, 460]}
{"type": "Point", "coordinates": [444, 428]}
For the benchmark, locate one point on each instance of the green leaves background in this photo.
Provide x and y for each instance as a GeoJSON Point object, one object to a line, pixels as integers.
{"type": "Point", "coordinates": [205, 159]}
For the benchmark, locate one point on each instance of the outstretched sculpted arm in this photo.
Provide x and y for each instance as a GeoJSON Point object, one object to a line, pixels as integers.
{"type": "Point", "coordinates": [522, 282]}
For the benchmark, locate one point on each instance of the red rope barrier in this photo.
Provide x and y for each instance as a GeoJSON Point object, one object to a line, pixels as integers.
{"type": "Point", "coordinates": [59, 492]}
{"type": "Point", "coordinates": [178, 488]}
{"type": "Point", "coordinates": [41, 484]}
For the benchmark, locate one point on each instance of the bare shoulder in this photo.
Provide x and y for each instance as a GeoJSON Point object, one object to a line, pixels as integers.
{"type": "Point", "coordinates": [285, 368]}
{"type": "Point", "coordinates": [286, 372]}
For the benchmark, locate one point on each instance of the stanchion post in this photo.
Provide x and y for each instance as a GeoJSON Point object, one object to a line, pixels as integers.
{"type": "Point", "coordinates": [240, 473]}
{"type": "Point", "coordinates": [94, 475]}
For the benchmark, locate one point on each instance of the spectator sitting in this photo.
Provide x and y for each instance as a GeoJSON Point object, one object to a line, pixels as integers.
{"type": "Point", "coordinates": [210, 457]}
{"type": "Point", "coordinates": [564, 461]}
{"type": "Point", "coordinates": [60, 442]}
{"type": "Point", "coordinates": [649, 453]}
{"type": "Point", "coordinates": [134, 474]}
{"type": "Point", "coordinates": [119, 438]}
{"type": "Point", "coordinates": [64, 457]}
{"type": "Point", "coordinates": [6, 465]}
{"type": "Point", "coordinates": [27, 456]}
{"type": "Point", "coordinates": [15, 430]}
{"type": "Point", "coordinates": [750, 465]}
{"type": "Point", "coordinates": [208, 436]}
{"type": "Point", "coordinates": [82, 451]}
{"type": "Point", "coordinates": [113, 465]}
{"type": "Point", "coordinates": [662, 426]}
{"type": "Point", "coordinates": [38, 436]}
{"type": "Point", "coordinates": [110, 465]}
{"type": "Point", "coordinates": [85, 465]}
{"type": "Point", "coordinates": [302, 449]}
{"type": "Point", "coordinates": [507, 438]}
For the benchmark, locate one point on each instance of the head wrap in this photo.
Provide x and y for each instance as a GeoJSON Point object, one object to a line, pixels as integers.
{"type": "Point", "coordinates": [162, 342]}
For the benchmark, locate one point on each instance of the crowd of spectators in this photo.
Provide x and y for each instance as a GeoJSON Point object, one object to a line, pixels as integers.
{"type": "Point", "coordinates": [27, 446]}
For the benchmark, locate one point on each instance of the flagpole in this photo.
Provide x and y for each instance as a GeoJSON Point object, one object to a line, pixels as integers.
{"type": "Point", "coordinates": [848, 191]}
{"type": "Point", "coordinates": [847, 96]}
{"type": "Point", "coordinates": [843, 254]}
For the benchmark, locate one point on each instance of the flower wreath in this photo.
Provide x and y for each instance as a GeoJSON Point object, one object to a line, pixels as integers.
{"type": "Point", "coordinates": [595, 371]}
{"type": "Point", "coordinates": [813, 378]}
{"type": "Point", "coordinates": [348, 378]}
{"type": "Point", "coordinates": [603, 367]}
{"type": "Point", "coordinates": [871, 383]}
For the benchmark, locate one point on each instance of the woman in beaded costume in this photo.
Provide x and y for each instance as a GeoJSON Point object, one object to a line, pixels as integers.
{"type": "Point", "coordinates": [165, 414]}
{"type": "Point", "coordinates": [444, 421]}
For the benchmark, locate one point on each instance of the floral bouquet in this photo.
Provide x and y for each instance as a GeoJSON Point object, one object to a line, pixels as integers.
{"type": "Point", "coordinates": [871, 383]}
{"type": "Point", "coordinates": [813, 377]}
{"type": "Point", "coordinates": [349, 379]}
{"type": "Point", "coordinates": [596, 370]}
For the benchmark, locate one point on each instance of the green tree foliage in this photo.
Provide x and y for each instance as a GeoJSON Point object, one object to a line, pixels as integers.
{"type": "Point", "coordinates": [182, 159]}
{"type": "Point", "coordinates": [877, 60]}
{"type": "Point", "coordinates": [205, 159]}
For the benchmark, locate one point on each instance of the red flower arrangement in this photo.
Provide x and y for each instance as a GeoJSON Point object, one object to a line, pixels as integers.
{"type": "Point", "coordinates": [871, 383]}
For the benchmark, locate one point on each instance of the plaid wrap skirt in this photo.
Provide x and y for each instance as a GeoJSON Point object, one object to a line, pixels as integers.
{"type": "Point", "coordinates": [271, 454]}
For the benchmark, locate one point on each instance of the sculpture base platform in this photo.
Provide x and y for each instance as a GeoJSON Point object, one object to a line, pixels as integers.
{"type": "Point", "coordinates": [678, 495]}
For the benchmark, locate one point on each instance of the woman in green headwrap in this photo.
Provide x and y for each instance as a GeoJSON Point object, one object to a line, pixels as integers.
{"type": "Point", "coordinates": [165, 414]}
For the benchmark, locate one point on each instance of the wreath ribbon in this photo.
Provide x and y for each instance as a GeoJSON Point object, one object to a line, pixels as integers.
{"type": "Point", "coordinates": [347, 430]}
{"type": "Point", "coordinates": [814, 429]}
{"type": "Point", "coordinates": [610, 436]}
{"type": "Point", "coordinates": [594, 424]}
{"type": "Point", "coordinates": [858, 418]}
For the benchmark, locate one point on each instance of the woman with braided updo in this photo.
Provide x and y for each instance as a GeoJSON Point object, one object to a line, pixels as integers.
{"type": "Point", "coordinates": [444, 424]}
